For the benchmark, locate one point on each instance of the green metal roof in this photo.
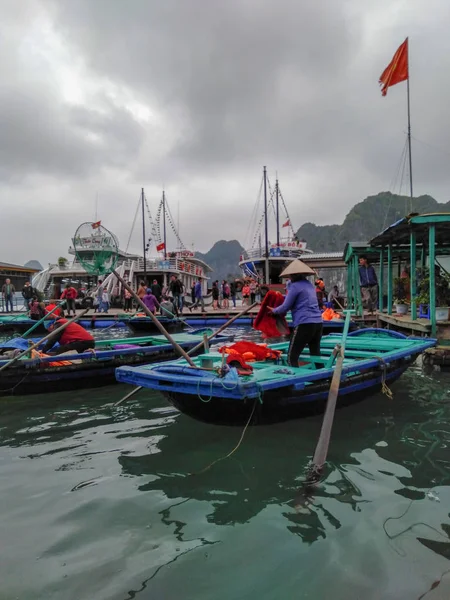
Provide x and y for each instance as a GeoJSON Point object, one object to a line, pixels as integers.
{"type": "Point", "coordinates": [398, 234]}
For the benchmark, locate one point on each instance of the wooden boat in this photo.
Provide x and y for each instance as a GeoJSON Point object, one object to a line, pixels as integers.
{"type": "Point", "coordinates": [90, 369]}
{"type": "Point", "coordinates": [372, 358]}
{"type": "Point", "coordinates": [145, 324]}
{"type": "Point", "coordinates": [23, 323]}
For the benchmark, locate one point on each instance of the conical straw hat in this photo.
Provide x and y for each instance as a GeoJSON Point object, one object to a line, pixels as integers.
{"type": "Point", "coordinates": [297, 267]}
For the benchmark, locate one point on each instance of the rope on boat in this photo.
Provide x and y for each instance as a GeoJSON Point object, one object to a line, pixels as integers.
{"type": "Point", "coordinates": [385, 389]}
{"type": "Point", "coordinates": [237, 445]}
{"type": "Point", "coordinates": [12, 389]}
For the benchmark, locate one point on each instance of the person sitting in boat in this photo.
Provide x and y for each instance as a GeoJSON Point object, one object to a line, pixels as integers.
{"type": "Point", "coordinates": [150, 301]}
{"type": "Point", "coordinates": [167, 308]}
{"type": "Point", "coordinates": [69, 294]}
{"type": "Point", "coordinates": [73, 338]}
{"type": "Point", "coordinates": [37, 309]}
{"type": "Point", "coordinates": [301, 300]}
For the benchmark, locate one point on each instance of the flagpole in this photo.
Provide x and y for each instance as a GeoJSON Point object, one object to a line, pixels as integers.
{"type": "Point", "coordinates": [143, 235]}
{"type": "Point", "coordinates": [409, 135]}
{"type": "Point", "coordinates": [266, 231]}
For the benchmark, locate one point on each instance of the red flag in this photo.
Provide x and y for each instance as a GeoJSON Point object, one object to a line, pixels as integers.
{"type": "Point", "coordinates": [288, 222]}
{"type": "Point", "coordinates": [96, 225]}
{"type": "Point", "coordinates": [160, 247]}
{"type": "Point", "coordinates": [397, 70]}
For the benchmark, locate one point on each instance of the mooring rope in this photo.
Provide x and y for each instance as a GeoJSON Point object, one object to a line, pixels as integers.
{"type": "Point", "coordinates": [237, 445]}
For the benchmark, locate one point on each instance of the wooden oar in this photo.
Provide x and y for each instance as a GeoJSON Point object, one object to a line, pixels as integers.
{"type": "Point", "coordinates": [24, 335]}
{"type": "Point", "coordinates": [224, 326]}
{"type": "Point", "coordinates": [197, 347]}
{"type": "Point", "coordinates": [156, 321]}
{"type": "Point", "coordinates": [44, 339]}
{"type": "Point", "coordinates": [320, 454]}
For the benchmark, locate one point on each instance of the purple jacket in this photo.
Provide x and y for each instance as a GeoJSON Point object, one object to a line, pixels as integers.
{"type": "Point", "coordinates": [198, 290]}
{"type": "Point", "coordinates": [301, 300]}
{"type": "Point", "coordinates": [150, 302]}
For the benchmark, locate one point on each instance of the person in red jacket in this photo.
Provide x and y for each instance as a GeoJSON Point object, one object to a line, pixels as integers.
{"type": "Point", "coordinates": [73, 337]}
{"type": "Point", "coordinates": [69, 294]}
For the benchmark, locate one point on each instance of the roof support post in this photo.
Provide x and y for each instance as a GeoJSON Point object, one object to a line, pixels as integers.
{"type": "Point", "coordinates": [389, 280]}
{"type": "Point", "coordinates": [381, 281]}
{"type": "Point", "coordinates": [349, 285]}
{"type": "Point", "coordinates": [432, 257]}
{"type": "Point", "coordinates": [412, 276]}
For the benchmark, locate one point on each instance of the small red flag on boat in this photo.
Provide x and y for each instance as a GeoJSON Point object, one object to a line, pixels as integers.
{"type": "Point", "coordinates": [160, 247]}
{"type": "Point", "coordinates": [397, 70]}
{"type": "Point", "coordinates": [288, 222]}
{"type": "Point", "coordinates": [96, 225]}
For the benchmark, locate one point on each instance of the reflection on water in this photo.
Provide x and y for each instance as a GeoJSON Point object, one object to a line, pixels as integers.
{"type": "Point", "coordinates": [101, 502]}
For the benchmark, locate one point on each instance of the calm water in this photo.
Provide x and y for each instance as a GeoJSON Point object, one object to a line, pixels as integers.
{"type": "Point", "coordinates": [100, 502]}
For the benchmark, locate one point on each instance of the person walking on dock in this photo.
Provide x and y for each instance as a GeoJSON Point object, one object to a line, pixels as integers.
{"type": "Point", "coordinates": [226, 294]}
{"type": "Point", "coordinates": [369, 284]}
{"type": "Point", "coordinates": [198, 296]}
{"type": "Point", "coordinates": [176, 289]}
{"type": "Point", "coordinates": [150, 301]}
{"type": "Point", "coordinates": [215, 295]}
{"type": "Point", "coordinates": [69, 294]}
{"type": "Point", "coordinates": [156, 290]}
{"type": "Point", "coordinates": [233, 293]}
{"type": "Point", "coordinates": [27, 293]}
{"type": "Point", "coordinates": [128, 306]}
{"type": "Point", "coordinates": [8, 291]}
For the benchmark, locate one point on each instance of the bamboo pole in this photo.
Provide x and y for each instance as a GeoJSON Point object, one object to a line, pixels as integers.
{"type": "Point", "coordinates": [156, 321]}
{"type": "Point", "coordinates": [198, 347]}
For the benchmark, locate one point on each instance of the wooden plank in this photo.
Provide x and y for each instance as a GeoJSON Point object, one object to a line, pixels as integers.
{"type": "Point", "coordinates": [422, 325]}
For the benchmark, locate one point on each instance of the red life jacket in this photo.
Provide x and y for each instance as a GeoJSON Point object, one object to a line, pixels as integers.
{"type": "Point", "coordinates": [74, 333]}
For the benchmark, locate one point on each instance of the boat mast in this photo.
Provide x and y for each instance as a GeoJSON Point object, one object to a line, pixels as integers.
{"type": "Point", "coordinates": [164, 224]}
{"type": "Point", "coordinates": [266, 228]}
{"type": "Point", "coordinates": [143, 234]}
{"type": "Point", "coordinates": [409, 136]}
{"type": "Point", "coordinates": [278, 212]}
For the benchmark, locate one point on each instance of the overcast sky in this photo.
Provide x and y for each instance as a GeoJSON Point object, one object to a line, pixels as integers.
{"type": "Point", "coordinates": [103, 97]}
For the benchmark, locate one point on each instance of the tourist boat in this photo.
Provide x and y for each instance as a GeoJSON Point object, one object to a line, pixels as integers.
{"type": "Point", "coordinates": [133, 267]}
{"type": "Point", "coordinates": [275, 391]}
{"type": "Point", "coordinates": [91, 368]}
{"type": "Point", "coordinates": [266, 259]}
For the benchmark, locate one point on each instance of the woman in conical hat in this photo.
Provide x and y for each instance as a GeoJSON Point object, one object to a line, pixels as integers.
{"type": "Point", "coordinates": [301, 300]}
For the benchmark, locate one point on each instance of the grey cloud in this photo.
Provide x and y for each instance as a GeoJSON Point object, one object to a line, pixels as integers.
{"type": "Point", "coordinates": [231, 86]}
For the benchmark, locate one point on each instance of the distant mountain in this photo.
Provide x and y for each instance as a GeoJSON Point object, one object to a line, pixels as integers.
{"type": "Point", "coordinates": [34, 264]}
{"type": "Point", "coordinates": [224, 259]}
{"type": "Point", "coordinates": [365, 220]}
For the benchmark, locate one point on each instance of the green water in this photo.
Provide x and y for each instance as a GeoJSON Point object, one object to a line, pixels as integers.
{"type": "Point", "coordinates": [99, 502]}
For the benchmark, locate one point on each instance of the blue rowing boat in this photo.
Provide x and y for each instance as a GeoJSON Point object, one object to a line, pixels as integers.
{"type": "Point", "coordinates": [89, 369]}
{"type": "Point", "coordinates": [374, 359]}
